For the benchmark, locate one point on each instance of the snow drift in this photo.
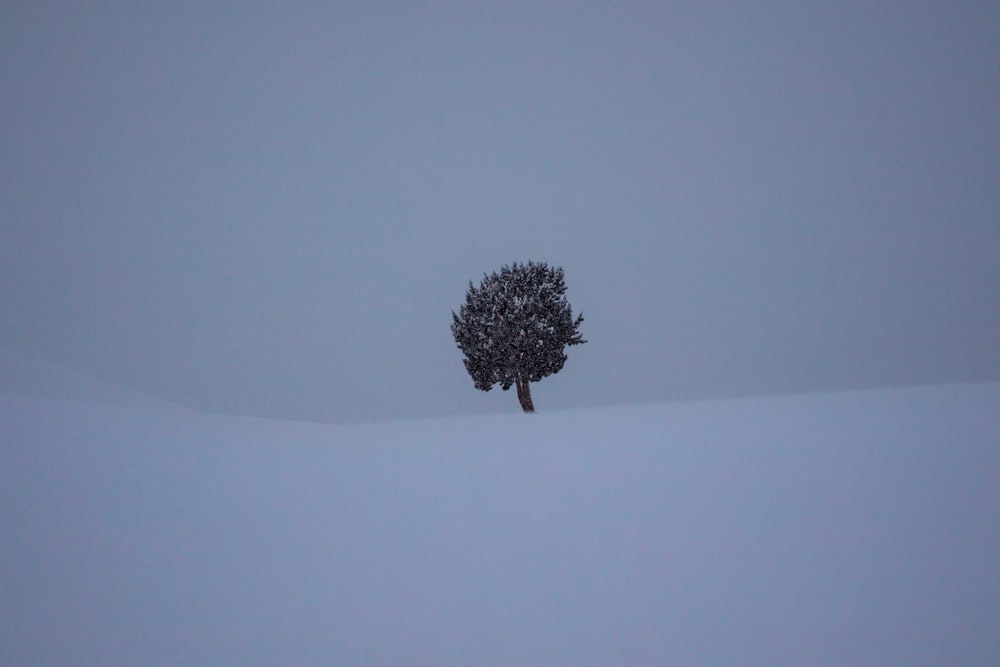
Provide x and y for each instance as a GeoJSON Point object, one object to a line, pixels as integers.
{"type": "Point", "coordinates": [857, 528]}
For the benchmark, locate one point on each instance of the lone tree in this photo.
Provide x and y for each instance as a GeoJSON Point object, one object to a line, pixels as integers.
{"type": "Point", "coordinates": [514, 327]}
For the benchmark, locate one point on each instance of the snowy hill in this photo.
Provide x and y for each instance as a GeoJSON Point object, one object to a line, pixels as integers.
{"type": "Point", "coordinates": [21, 375]}
{"type": "Point", "coordinates": [842, 529]}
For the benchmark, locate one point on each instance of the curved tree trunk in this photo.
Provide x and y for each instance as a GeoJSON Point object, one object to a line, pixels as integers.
{"type": "Point", "coordinates": [524, 395]}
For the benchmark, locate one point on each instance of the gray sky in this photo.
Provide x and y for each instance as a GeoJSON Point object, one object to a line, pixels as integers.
{"type": "Point", "coordinates": [272, 209]}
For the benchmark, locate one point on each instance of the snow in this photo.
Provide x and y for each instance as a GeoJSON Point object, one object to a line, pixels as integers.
{"type": "Point", "coordinates": [24, 376]}
{"type": "Point", "coordinates": [856, 528]}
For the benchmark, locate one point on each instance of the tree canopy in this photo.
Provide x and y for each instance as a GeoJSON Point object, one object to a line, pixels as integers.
{"type": "Point", "coordinates": [513, 329]}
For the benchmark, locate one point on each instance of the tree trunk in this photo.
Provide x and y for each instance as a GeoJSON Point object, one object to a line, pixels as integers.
{"type": "Point", "coordinates": [524, 395]}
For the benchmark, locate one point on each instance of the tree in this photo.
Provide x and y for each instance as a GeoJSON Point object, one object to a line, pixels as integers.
{"type": "Point", "coordinates": [514, 327]}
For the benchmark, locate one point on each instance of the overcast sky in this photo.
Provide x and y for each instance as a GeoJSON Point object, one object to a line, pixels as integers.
{"type": "Point", "coordinates": [273, 209]}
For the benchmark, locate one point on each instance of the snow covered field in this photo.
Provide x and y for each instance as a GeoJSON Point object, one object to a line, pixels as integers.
{"type": "Point", "coordinates": [859, 528]}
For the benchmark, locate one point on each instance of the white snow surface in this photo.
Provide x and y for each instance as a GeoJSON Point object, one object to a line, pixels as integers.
{"type": "Point", "coordinates": [857, 528]}
{"type": "Point", "coordinates": [21, 375]}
